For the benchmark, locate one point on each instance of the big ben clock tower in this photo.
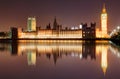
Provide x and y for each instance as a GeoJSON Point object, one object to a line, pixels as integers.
{"type": "Point", "coordinates": [104, 18]}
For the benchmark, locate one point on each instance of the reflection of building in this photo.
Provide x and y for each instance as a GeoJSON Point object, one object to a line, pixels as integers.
{"type": "Point", "coordinates": [115, 50]}
{"type": "Point", "coordinates": [102, 50]}
{"type": "Point", "coordinates": [56, 50]}
{"type": "Point", "coordinates": [88, 49]}
{"type": "Point", "coordinates": [56, 55]}
{"type": "Point", "coordinates": [88, 32]}
{"type": "Point", "coordinates": [31, 58]}
{"type": "Point", "coordinates": [104, 59]}
{"type": "Point", "coordinates": [14, 49]}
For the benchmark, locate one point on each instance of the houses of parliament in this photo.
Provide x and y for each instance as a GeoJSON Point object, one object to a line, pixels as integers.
{"type": "Point", "coordinates": [57, 32]}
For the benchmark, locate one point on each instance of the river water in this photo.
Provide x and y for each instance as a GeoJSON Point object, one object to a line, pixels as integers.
{"type": "Point", "coordinates": [66, 59]}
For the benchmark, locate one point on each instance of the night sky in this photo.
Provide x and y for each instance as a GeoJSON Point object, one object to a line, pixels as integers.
{"type": "Point", "coordinates": [68, 12]}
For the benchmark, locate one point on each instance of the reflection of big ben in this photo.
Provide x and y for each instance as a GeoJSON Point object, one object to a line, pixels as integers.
{"type": "Point", "coordinates": [104, 63]}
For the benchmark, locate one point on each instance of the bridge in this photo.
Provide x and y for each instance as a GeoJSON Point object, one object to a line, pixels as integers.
{"type": "Point", "coordinates": [115, 35]}
{"type": "Point", "coordinates": [116, 31]}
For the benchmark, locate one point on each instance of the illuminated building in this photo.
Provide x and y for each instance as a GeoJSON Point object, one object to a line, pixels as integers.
{"type": "Point", "coordinates": [56, 33]}
{"type": "Point", "coordinates": [14, 33]}
{"type": "Point", "coordinates": [49, 34]}
{"type": "Point", "coordinates": [104, 19]}
{"type": "Point", "coordinates": [88, 32]}
{"type": "Point", "coordinates": [82, 31]}
{"type": "Point", "coordinates": [98, 33]}
{"type": "Point", "coordinates": [31, 24]}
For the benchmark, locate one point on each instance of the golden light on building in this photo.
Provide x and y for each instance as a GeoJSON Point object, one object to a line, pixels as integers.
{"type": "Point", "coordinates": [31, 24]}
{"type": "Point", "coordinates": [98, 33]}
{"type": "Point", "coordinates": [104, 18]}
{"type": "Point", "coordinates": [44, 33]}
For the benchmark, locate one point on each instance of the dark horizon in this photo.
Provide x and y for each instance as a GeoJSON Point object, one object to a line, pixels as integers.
{"type": "Point", "coordinates": [68, 12]}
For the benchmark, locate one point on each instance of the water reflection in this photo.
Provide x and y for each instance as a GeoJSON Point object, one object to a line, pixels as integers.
{"type": "Point", "coordinates": [54, 50]}
{"type": "Point", "coordinates": [115, 50]}
{"type": "Point", "coordinates": [104, 61]}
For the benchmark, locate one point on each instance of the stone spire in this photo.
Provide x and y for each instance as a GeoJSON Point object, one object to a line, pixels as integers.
{"type": "Point", "coordinates": [104, 8]}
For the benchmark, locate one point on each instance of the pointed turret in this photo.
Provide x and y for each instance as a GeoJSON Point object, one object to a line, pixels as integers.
{"type": "Point", "coordinates": [104, 8]}
{"type": "Point", "coordinates": [55, 24]}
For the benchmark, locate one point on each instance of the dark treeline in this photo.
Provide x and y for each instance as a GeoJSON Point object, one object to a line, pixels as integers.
{"type": "Point", "coordinates": [4, 34]}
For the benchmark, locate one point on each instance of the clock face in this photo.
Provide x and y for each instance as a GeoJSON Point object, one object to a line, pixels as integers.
{"type": "Point", "coordinates": [104, 16]}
